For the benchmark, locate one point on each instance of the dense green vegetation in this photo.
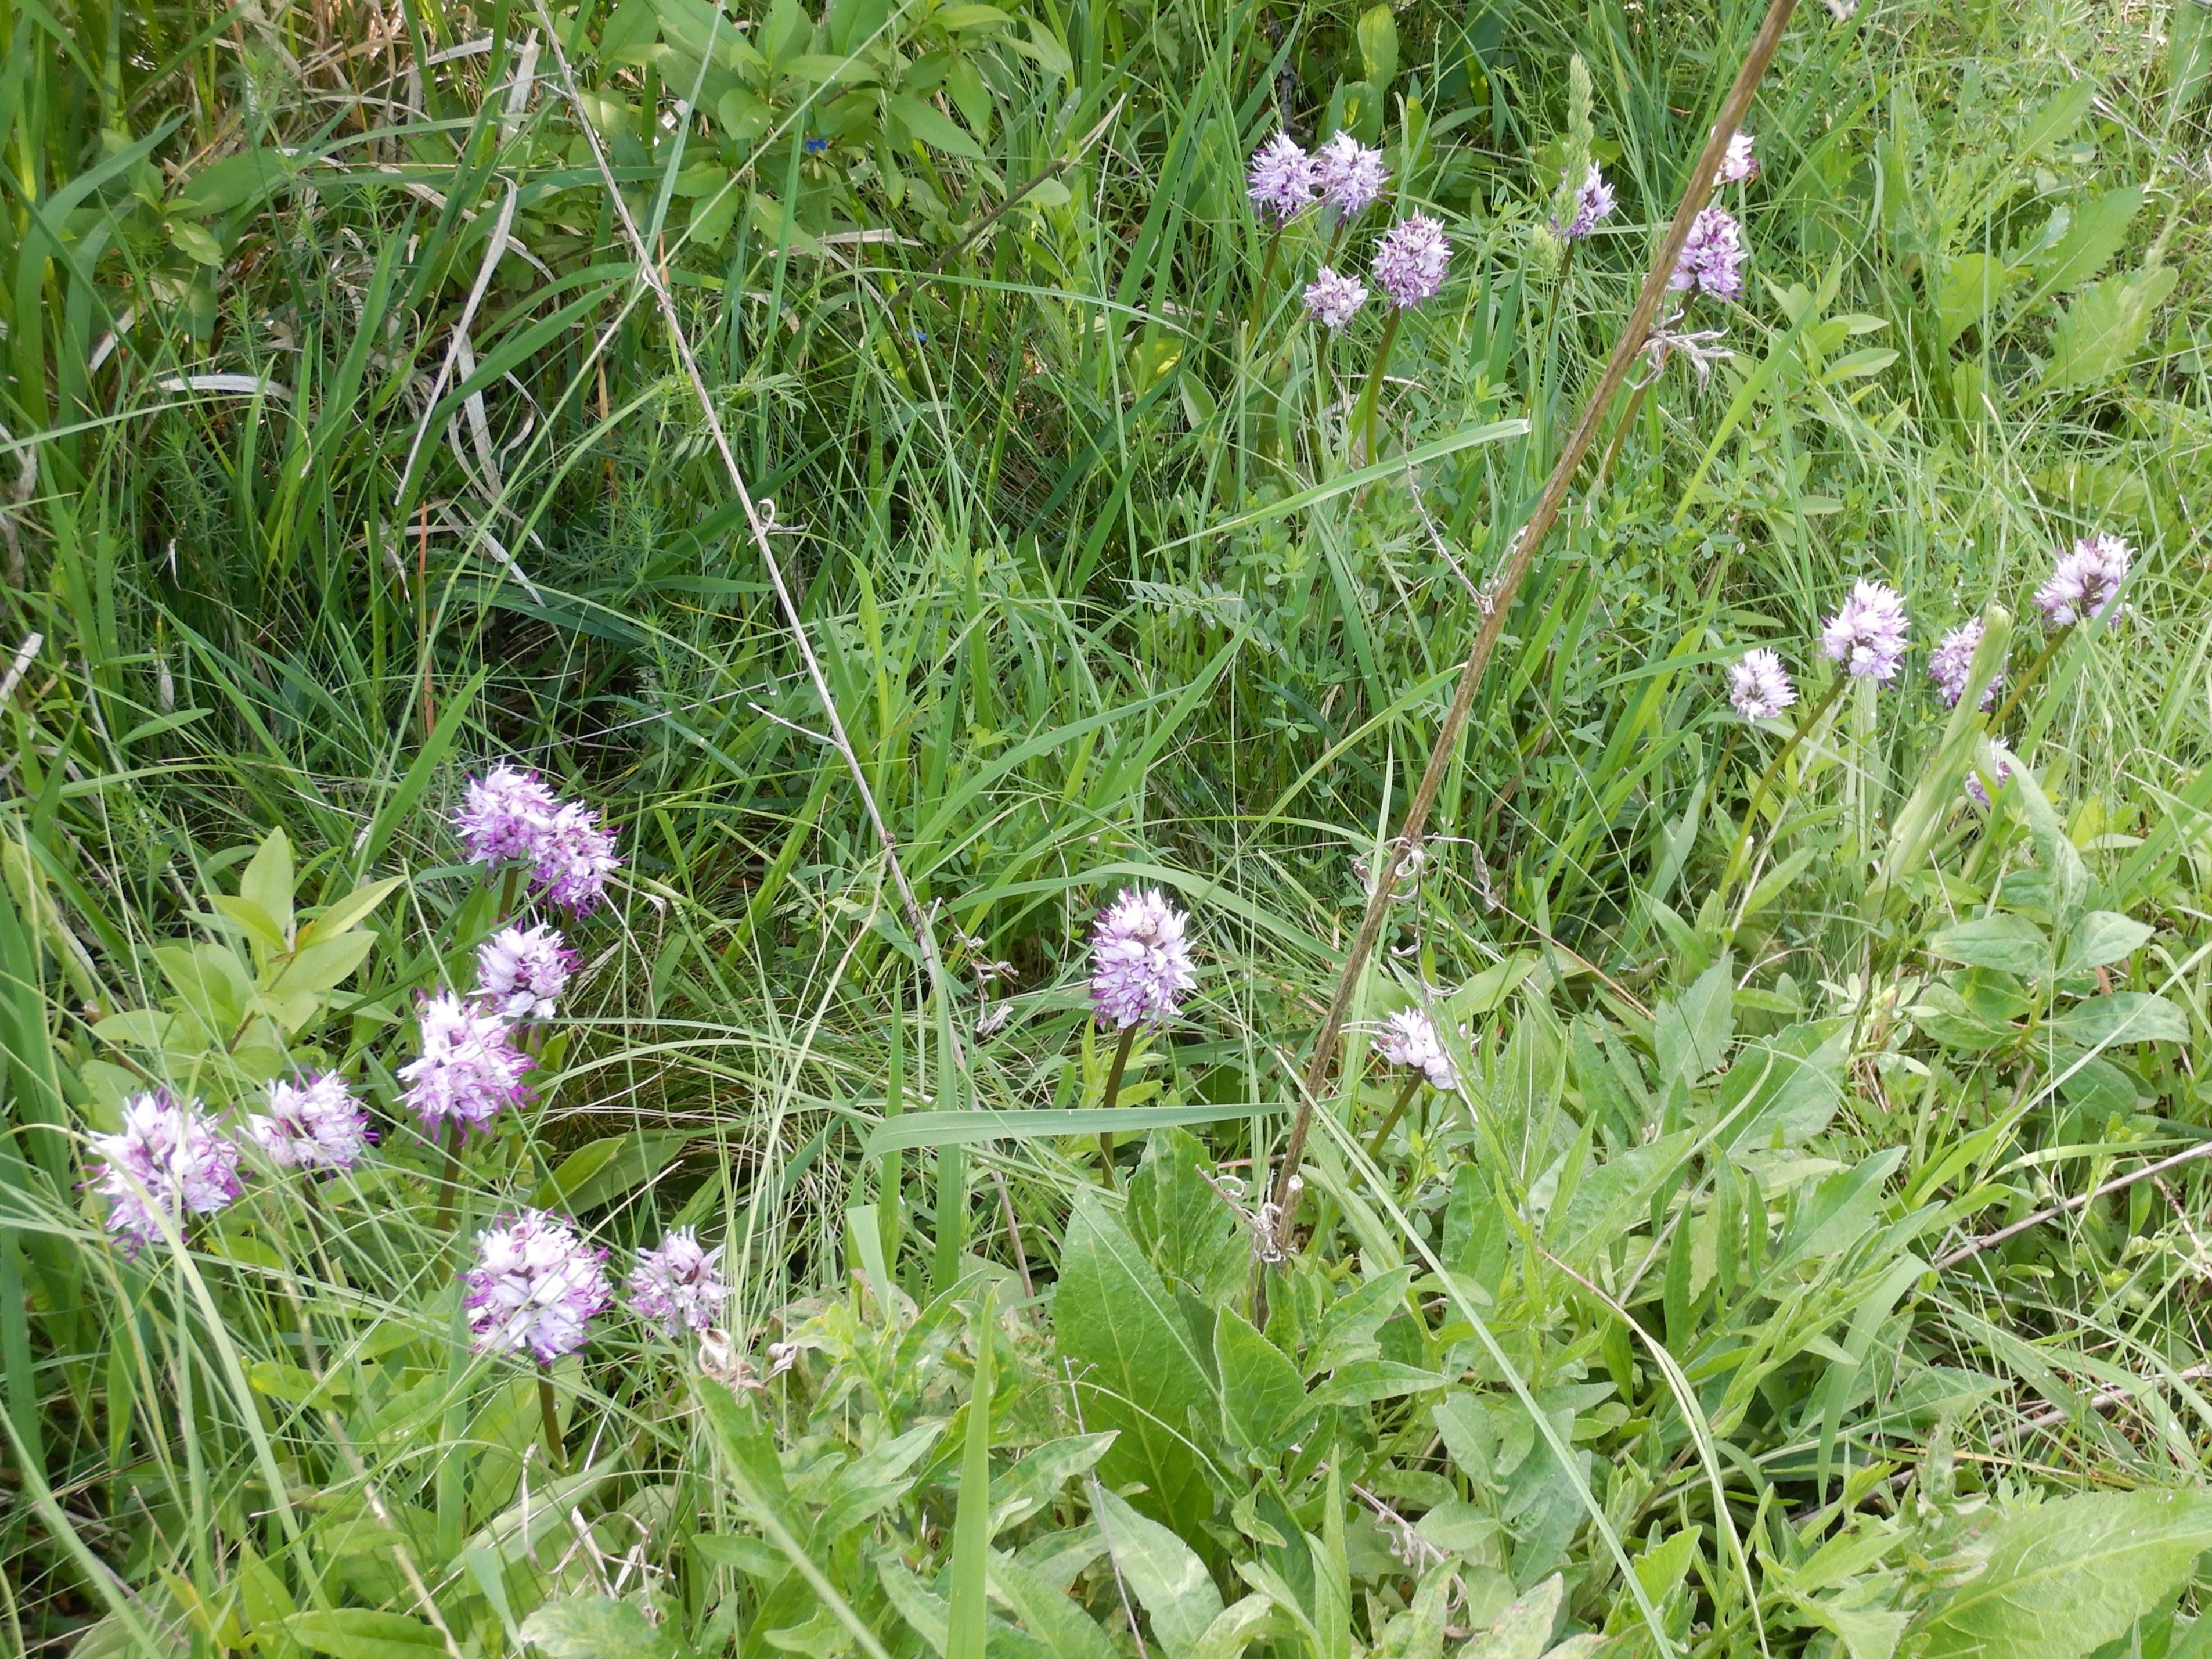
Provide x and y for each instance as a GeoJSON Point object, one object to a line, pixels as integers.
{"type": "Point", "coordinates": [1807, 1255]}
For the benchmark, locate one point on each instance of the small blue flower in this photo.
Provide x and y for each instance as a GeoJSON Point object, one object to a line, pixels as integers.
{"type": "Point", "coordinates": [815, 145]}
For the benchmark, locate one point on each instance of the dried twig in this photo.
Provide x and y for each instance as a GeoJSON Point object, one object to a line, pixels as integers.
{"type": "Point", "coordinates": [1974, 1247]}
{"type": "Point", "coordinates": [650, 273]}
{"type": "Point", "coordinates": [1524, 547]}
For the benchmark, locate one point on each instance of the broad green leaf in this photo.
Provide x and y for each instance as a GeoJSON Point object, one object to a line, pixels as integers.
{"type": "Point", "coordinates": [358, 1633]}
{"type": "Point", "coordinates": [1162, 1571]}
{"type": "Point", "coordinates": [2104, 937]}
{"type": "Point", "coordinates": [1972, 284]}
{"type": "Point", "coordinates": [2008, 944]}
{"type": "Point", "coordinates": [267, 883]}
{"type": "Point", "coordinates": [932, 126]}
{"type": "Point", "coordinates": [1052, 1616]}
{"type": "Point", "coordinates": [2122, 1016]}
{"type": "Point", "coordinates": [324, 965]}
{"type": "Point", "coordinates": [1034, 1481]}
{"type": "Point", "coordinates": [342, 915]}
{"type": "Point", "coordinates": [1524, 1630]}
{"type": "Point", "coordinates": [259, 925]}
{"type": "Point", "coordinates": [1366, 1381]}
{"type": "Point", "coordinates": [1263, 1399]}
{"type": "Point", "coordinates": [1692, 1030]}
{"type": "Point", "coordinates": [1378, 45]}
{"type": "Point", "coordinates": [597, 1627]}
{"type": "Point", "coordinates": [1136, 1368]}
{"type": "Point", "coordinates": [1348, 1326]}
{"type": "Point", "coordinates": [2066, 1575]}
{"type": "Point", "coordinates": [1783, 1089]}
{"type": "Point", "coordinates": [138, 1028]}
{"type": "Point", "coordinates": [1235, 1628]}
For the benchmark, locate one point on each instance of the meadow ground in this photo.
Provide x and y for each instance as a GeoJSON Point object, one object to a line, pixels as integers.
{"type": "Point", "coordinates": [602, 604]}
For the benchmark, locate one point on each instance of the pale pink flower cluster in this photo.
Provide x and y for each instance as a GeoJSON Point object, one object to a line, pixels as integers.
{"type": "Point", "coordinates": [1951, 660]}
{"type": "Point", "coordinates": [1711, 260]}
{"type": "Point", "coordinates": [1332, 300]}
{"type": "Point", "coordinates": [1867, 635]}
{"type": "Point", "coordinates": [2086, 581]}
{"type": "Point", "coordinates": [316, 1124]}
{"type": "Point", "coordinates": [1738, 163]}
{"type": "Point", "coordinates": [678, 1285]}
{"type": "Point", "coordinates": [469, 1068]}
{"type": "Point", "coordinates": [169, 1160]}
{"type": "Point", "coordinates": [1350, 175]}
{"type": "Point", "coordinates": [535, 1287]}
{"type": "Point", "coordinates": [1759, 685]}
{"type": "Point", "coordinates": [509, 815]}
{"type": "Point", "coordinates": [1977, 791]}
{"type": "Point", "coordinates": [522, 971]}
{"type": "Point", "coordinates": [1283, 182]}
{"type": "Point", "coordinates": [1141, 961]}
{"type": "Point", "coordinates": [1594, 203]}
{"type": "Point", "coordinates": [1411, 259]}
{"type": "Point", "coordinates": [1409, 1038]}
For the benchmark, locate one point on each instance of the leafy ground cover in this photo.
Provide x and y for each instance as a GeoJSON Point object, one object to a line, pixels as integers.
{"type": "Point", "coordinates": [1759, 1205]}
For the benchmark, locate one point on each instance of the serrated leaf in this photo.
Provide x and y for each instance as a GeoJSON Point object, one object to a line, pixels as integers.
{"type": "Point", "coordinates": [2065, 1577]}
{"type": "Point", "coordinates": [2099, 231]}
{"type": "Point", "coordinates": [2105, 326]}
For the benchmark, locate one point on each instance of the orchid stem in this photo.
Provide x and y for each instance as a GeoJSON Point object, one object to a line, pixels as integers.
{"type": "Point", "coordinates": [1267, 276]}
{"type": "Point", "coordinates": [1113, 1093]}
{"type": "Point", "coordinates": [1813, 718]}
{"type": "Point", "coordinates": [2028, 677]}
{"type": "Point", "coordinates": [1404, 1099]}
{"type": "Point", "coordinates": [450, 1180]}
{"type": "Point", "coordinates": [549, 1410]}
{"type": "Point", "coordinates": [1363, 418]}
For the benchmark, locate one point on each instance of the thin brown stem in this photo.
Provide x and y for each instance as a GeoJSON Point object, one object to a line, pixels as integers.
{"type": "Point", "coordinates": [1114, 1093]}
{"type": "Point", "coordinates": [1974, 1247]}
{"type": "Point", "coordinates": [650, 272]}
{"type": "Point", "coordinates": [1524, 546]}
